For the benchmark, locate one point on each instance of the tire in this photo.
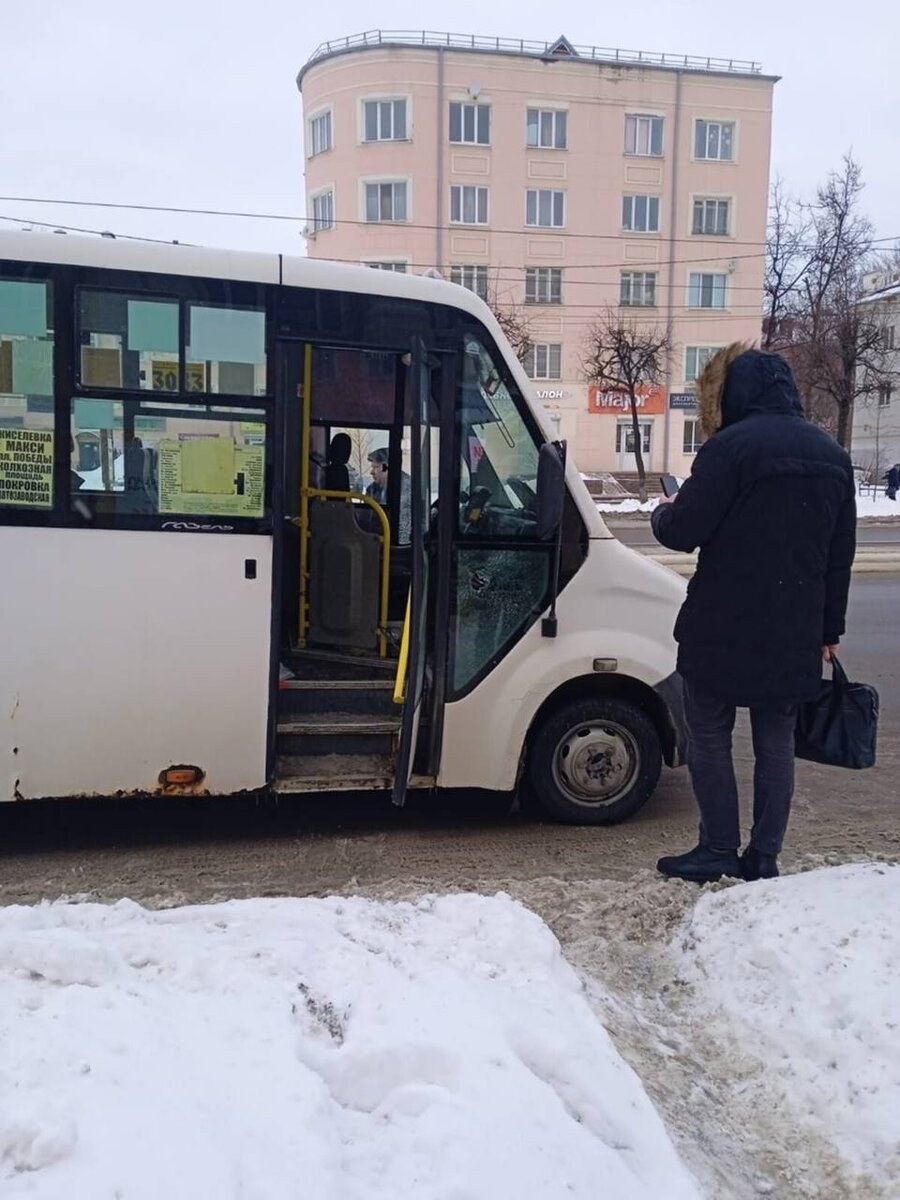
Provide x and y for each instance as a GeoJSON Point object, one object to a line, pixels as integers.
{"type": "Point", "coordinates": [594, 762]}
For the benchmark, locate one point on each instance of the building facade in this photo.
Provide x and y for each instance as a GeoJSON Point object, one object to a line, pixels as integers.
{"type": "Point", "coordinates": [564, 183]}
{"type": "Point", "coordinates": [876, 418]}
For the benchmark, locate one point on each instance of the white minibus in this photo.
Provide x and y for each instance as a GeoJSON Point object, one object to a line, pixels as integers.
{"type": "Point", "coordinates": [271, 524]}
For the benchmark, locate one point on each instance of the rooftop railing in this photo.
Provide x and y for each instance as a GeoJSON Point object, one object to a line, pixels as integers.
{"type": "Point", "coordinates": [558, 49]}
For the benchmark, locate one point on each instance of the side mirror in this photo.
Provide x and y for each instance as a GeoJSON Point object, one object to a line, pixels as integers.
{"type": "Point", "coordinates": [551, 489]}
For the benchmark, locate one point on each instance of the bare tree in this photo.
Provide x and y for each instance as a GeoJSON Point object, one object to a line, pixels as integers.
{"type": "Point", "coordinates": [623, 355]}
{"type": "Point", "coordinates": [512, 319]}
{"type": "Point", "coordinates": [788, 257]}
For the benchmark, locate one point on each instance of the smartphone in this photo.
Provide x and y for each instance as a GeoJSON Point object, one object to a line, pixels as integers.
{"type": "Point", "coordinates": [669, 484]}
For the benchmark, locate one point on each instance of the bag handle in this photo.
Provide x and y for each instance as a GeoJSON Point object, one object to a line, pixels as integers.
{"type": "Point", "coordinates": [839, 675]}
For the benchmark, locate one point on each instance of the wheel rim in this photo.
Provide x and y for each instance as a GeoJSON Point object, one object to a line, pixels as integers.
{"type": "Point", "coordinates": [596, 763]}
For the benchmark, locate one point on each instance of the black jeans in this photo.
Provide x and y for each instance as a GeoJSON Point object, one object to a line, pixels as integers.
{"type": "Point", "coordinates": [710, 723]}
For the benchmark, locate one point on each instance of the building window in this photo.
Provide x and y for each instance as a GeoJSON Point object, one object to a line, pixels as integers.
{"type": "Point", "coordinates": [546, 208]}
{"type": "Point", "coordinates": [640, 214]}
{"type": "Point", "coordinates": [323, 211]}
{"type": "Point", "coordinates": [644, 135]}
{"type": "Point", "coordinates": [638, 289]}
{"type": "Point", "coordinates": [386, 201]}
{"type": "Point", "coordinates": [706, 291]}
{"type": "Point", "coordinates": [711, 216]}
{"type": "Point", "coordinates": [320, 134]}
{"type": "Point", "coordinates": [695, 359]}
{"type": "Point", "coordinates": [714, 140]}
{"type": "Point", "coordinates": [885, 393]}
{"type": "Point", "coordinates": [543, 285]}
{"type": "Point", "coordinates": [888, 335]}
{"type": "Point", "coordinates": [543, 360]}
{"type": "Point", "coordinates": [693, 437]}
{"type": "Point", "coordinates": [401, 266]}
{"type": "Point", "coordinates": [471, 276]}
{"type": "Point", "coordinates": [468, 204]}
{"type": "Point", "coordinates": [384, 121]}
{"type": "Point", "coordinates": [470, 123]}
{"type": "Point", "coordinates": [546, 128]}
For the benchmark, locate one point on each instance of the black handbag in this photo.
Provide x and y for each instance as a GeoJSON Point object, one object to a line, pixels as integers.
{"type": "Point", "coordinates": [839, 727]}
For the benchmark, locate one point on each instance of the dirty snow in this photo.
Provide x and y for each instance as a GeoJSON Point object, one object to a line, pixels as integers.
{"type": "Point", "coordinates": [877, 506]}
{"type": "Point", "coordinates": [330, 1049]}
{"type": "Point", "coordinates": [442, 1048]}
{"type": "Point", "coordinates": [803, 973]}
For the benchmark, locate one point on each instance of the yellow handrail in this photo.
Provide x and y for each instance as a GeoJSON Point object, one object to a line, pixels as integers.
{"type": "Point", "coordinates": [385, 539]}
{"type": "Point", "coordinates": [400, 678]}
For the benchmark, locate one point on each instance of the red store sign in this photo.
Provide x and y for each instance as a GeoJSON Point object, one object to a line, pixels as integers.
{"type": "Point", "coordinates": [649, 400]}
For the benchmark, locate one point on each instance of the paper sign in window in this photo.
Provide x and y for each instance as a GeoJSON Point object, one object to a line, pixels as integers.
{"type": "Point", "coordinates": [207, 466]}
{"type": "Point", "coordinates": [23, 308]}
{"type": "Point", "coordinates": [242, 498]}
{"type": "Point", "coordinates": [227, 335]}
{"type": "Point", "coordinates": [32, 368]}
{"type": "Point", "coordinates": [153, 326]}
{"type": "Point", "coordinates": [26, 467]}
{"type": "Point", "coordinates": [101, 367]}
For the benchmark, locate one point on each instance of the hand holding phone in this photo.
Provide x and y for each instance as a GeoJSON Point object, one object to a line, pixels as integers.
{"type": "Point", "coordinates": [669, 485]}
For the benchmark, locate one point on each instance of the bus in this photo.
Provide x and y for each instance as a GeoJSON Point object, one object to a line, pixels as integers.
{"type": "Point", "coordinates": [279, 525]}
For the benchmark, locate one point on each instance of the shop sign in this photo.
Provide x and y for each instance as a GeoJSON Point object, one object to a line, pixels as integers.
{"type": "Point", "coordinates": [608, 400]}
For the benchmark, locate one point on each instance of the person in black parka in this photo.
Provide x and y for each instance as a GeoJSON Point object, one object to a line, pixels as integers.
{"type": "Point", "coordinates": [771, 504]}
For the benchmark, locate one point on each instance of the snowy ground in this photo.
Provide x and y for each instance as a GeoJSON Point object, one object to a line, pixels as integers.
{"type": "Point", "coordinates": [444, 1049]}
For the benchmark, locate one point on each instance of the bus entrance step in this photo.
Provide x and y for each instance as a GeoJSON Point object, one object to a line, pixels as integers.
{"type": "Point", "coordinates": [334, 773]}
{"type": "Point", "coordinates": [330, 696]}
{"type": "Point", "coordinates": [337, 733]}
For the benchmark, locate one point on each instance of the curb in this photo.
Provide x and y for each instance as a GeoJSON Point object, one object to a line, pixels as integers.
{"type": "Point", "coordinates": [867, 561]}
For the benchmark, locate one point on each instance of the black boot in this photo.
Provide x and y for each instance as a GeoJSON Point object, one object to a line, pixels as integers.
{"type": "Point", "coordinates": [701, 865]}
{"type": "Point", "coordinates": [758, 866]}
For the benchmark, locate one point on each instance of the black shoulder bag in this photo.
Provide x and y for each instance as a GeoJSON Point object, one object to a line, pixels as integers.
{"type": "Point", "coordinates": [839, 727]}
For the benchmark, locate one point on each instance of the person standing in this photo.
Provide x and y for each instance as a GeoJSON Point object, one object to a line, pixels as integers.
{"type": "Point", "coordinates": [893, 481]}
{"type": "Point", "coordinates": [771, 504]}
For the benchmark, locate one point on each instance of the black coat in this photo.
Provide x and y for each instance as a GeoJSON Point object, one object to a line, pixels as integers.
{"type": "Point", "coordinates": [771, 504]}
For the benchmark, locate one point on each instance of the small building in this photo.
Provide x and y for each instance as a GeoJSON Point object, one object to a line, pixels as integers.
{"type": "Point", "coordinates": [876, 418]}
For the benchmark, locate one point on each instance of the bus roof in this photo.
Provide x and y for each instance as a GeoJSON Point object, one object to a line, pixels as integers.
{"type": "Point", "coordinates": [205, 263]}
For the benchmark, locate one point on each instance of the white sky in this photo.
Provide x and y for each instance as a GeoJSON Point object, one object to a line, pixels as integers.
{"type": "Point", "coordinates": [193, 103]}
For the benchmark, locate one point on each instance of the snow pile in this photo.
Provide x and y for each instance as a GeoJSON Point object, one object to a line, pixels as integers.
{"type": "Point", "coordinates": [802, 973]}
{"type": "Point", "coordinates": [346, 1049]}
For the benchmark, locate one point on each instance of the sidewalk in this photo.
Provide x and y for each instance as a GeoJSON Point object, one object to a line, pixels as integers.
{"type": "Point", "coordinates": [869, 559]}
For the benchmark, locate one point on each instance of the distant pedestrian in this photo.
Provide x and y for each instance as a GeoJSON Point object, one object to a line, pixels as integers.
{"type": "Point", "coordinates": [771, 505]}
{"type": "Point", "coordinates": [893, 481]}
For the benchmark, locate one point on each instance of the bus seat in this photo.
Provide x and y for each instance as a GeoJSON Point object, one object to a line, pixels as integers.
{"type": "Point", "coordinates": [344, 577]}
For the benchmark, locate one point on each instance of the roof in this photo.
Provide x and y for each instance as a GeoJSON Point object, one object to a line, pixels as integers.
{"type": "Point", "coordinates": [559, 48]}
{"type": "Point", "coordinates": [887, 293]}
{"type": "Point", "coordinates": [206, 263]}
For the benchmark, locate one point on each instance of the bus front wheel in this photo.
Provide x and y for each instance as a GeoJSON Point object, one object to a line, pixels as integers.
{"type": "Point", "coordinates": [594, 762]}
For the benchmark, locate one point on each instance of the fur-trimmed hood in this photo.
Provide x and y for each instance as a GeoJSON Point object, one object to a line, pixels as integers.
{"type": "Point", "coordinates": [738, 382]}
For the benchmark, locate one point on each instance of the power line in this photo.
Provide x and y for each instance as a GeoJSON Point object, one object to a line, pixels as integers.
{"type": "Point", "coordinates": [295, 217]}
{"type": "Point", "coordinates": [132, 237]}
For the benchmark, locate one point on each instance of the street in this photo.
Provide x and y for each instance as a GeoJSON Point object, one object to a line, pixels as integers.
{"type": "Point", "coordinates": [177, 851]}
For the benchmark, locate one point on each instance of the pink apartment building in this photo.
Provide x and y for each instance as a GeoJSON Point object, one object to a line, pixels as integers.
{"type": "Point", "coordinates": [562, 179]}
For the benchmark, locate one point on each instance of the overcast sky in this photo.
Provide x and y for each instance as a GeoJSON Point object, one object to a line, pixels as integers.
{"type": "Point", "coordinates": [194, 104]}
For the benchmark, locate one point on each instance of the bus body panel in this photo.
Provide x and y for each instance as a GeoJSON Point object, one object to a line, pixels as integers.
{"type": "Point", "coordinates": [125, 653]}
{"type": "Point", "coordinates": [619, 605]}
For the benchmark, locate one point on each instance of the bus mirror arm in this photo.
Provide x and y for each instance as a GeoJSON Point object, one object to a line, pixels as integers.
{"type": "Point", "coordinates": [551, 495]}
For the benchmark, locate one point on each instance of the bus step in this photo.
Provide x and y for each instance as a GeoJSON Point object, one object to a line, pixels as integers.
{"type": "Point", "coordinates": [330, 696]}
{"type": "Point", "coordinates": [333, 773]}
{"type": "Point", "coordinates": [337, 733]}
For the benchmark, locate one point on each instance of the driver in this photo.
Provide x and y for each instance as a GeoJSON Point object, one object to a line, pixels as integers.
{"type": "Point", "coordinates": [378, 490]}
